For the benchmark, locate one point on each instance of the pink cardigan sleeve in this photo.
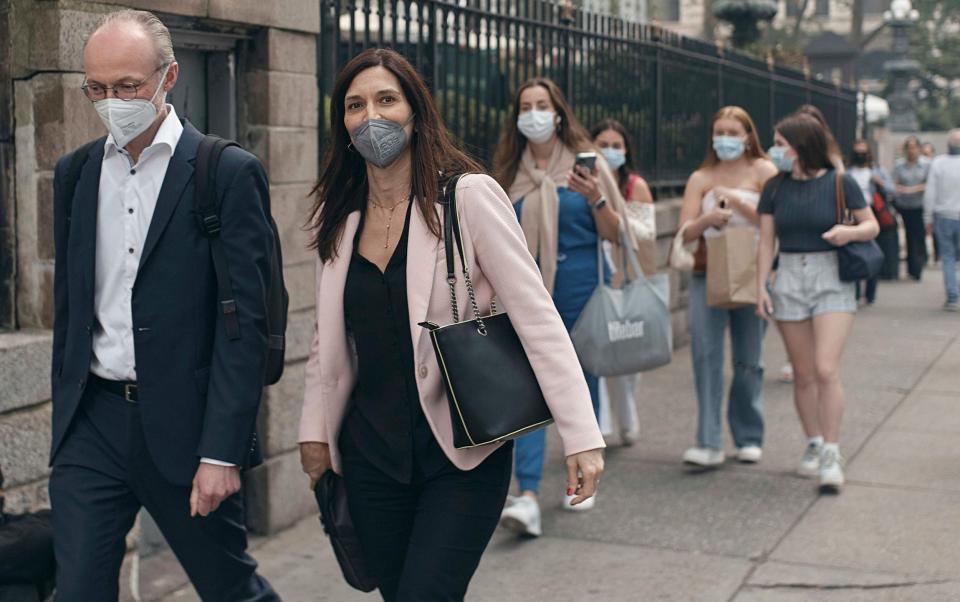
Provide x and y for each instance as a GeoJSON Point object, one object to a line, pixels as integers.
{"type": "Point", "coordinates": [313, 425]}
{"type": "Point", "coordinates": [501, 254]}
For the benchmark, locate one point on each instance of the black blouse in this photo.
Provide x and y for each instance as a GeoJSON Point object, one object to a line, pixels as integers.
{"type": "Point", "coordinates": [385, 423]}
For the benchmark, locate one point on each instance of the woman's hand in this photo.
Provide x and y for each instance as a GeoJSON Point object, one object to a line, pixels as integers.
{"type": "Point", "coordinates": [315, 460]}
{"type": "Point", "coordinates": [718, 218]}
{"type": "Point", "coordinates": [582, 181]}
{"type": "Point", "coordinates": [838, 235]}
{"type": "Point", "coordinates": [583, 474]}
{"type": "Point", "coordinates": [764, 304]}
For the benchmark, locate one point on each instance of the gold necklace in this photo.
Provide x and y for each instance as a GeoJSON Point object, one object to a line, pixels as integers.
{"type": "Point", "coordinates": [391, 210]}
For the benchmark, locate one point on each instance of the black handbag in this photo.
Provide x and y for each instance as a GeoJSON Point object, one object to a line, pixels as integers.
{"type": "Point", "coordinates": [493, 392]}
{"type": "Point", "coordinates": [331, 495]}
{"type": "Point", "coordinates": [858, 260]}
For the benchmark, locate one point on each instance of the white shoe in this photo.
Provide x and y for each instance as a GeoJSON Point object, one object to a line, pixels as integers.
{"type": "Point", "coordinates": [522, 517]}
{"type": "Point", "coordinates": [810, 463]}
{"type": "Point", "coordinates": [831, 472]}
{"type": "Point", "coordinates": [786, 373]}
{"type": "Point", "coordinates": [628, 438]}
{"type": "Point", "coordinates": [583, 506]}
{"type": "Point", "coordinates": [749, 454]}
{"type": "Point", "coordinates": [703, 456]}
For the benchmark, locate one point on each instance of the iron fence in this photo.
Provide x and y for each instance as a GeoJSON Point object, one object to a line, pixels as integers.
{"type": "Point", "coordinates": [663, 87]}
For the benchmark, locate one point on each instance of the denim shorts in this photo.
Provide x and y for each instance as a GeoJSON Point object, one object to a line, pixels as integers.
{"type": "Point", "coordinates": [808, 285]}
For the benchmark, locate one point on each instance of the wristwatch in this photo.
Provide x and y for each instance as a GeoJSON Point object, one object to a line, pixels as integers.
{"type": "Point", "coordinates": [599, 204]}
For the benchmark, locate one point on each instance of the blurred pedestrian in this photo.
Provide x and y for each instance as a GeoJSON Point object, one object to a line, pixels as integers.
{"type": "Point", "coordinates": [874, 182]}
{"type": "Point", "coordinates": [563, 208]}
{"type": "Point", "coordinates": [614, 143]}
{"type": "Point", "coordinates": [813, 308]}
{"type": "Point", "coordinates": [929, 150]}
{"type": "Point", "coordinates": [423, 510]}
{"type": "Point", "coordinates": [941, 214]}
{"type": "Point", "coordinates": [723, 193]}
{"type": "Point", "coordinates": [910, 178]}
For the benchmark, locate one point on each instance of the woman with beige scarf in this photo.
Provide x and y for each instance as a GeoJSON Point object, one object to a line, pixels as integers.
{"type": "Point", "coordinates": [563, 210]}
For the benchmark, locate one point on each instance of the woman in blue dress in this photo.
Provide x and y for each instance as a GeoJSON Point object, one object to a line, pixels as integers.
{"type": "Point", "coordinates": [563, 209]}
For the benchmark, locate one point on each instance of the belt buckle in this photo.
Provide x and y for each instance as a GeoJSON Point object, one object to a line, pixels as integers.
{"type": "Point", "coordinates": [127, 391]}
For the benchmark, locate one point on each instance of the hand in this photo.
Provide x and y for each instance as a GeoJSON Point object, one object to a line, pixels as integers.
{"type": "Point", "coordinates": [718, 218]}
{"type": "Point", "coordinates": [583, 474]}
{"type": "Point", "coordinates": [764, 304]}
{"type": "Point", "coordinates": [582, 181]}
{"type": "Point", "coordinates": [211, 485]}
{"type": "Point", "coordinates": [315, 460]}
{"type": "Point", "coordinates": [929, 229]}
{"type": "Point", "coordinates": [726, 195]}
{"type": "Point", "coordinates": [838, 235]}
{"type": "Point", "coordinates": [878, 182]}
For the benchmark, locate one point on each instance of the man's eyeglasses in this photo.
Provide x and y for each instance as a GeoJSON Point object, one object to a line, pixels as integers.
{"type": "Point", "coordinates": [126, 91]}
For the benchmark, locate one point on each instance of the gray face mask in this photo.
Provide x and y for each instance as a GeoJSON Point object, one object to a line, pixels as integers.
{"type": "Point", "coordinates": [380, 141]}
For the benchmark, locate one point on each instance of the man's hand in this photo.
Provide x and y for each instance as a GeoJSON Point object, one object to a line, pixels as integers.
{"type": "Point", "coordinates": [211, 486]}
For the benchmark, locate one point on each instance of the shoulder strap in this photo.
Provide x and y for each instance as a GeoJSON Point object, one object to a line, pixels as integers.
{"type": "Point", "coordinates": [841, 200]}
{"type": "Point", "coordinates": [208, 214]}
{"type": "Point", "coordinates": [73, 176]}
{"type": "Point", "coordinates": [452, 236]}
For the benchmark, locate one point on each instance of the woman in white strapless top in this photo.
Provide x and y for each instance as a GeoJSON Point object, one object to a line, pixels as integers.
{"type": "Point", "coordinates": [724, 193]}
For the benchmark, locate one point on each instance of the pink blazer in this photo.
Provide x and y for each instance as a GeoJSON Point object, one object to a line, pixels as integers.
{"type": "Point", "coordinates": [501, 265]}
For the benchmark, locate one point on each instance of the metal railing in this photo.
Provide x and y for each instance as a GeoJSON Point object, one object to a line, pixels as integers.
{"type": "Point", "coordinates": [662, 86]}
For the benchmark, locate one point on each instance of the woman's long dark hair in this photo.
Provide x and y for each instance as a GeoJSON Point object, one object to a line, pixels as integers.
{"type": "Point", "coordinates": [833, 149]}
{"type": "Point", "coordinates": [808, 138]}
{"type": "Point", "coordinates": [623, 173]}
{"type": "Point", "coordinates": [572, 134]}
{"type": "Point", "coordinates": [342, 187]}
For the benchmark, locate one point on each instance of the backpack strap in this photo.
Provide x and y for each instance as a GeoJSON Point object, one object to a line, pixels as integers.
{"type": "Point", "coordinates": [208, 214]}
{"type": "Point", "coordinates": [73, 176]}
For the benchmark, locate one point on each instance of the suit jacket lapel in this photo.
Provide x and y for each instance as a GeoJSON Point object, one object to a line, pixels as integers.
{"type": "Point", "coordinates": [422, 248]}
{"type": "Point", "coordinates": [179, 174]}
{"type": "Point", "coordinates": [330, 300]}
{"type": "Point", "coordinates": [83, 214]}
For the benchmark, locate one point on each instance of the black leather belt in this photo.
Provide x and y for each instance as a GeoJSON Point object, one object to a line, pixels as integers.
{"type": "Point", "coordinates": [125, 389]}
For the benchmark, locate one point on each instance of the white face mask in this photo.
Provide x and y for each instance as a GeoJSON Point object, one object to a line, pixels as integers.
{"type": "Point", "coordinates": [615, 157]}
{"type": "Point", "coordinates": [127, 119]}
{"type": "Point", "coordinates": [537, 126]}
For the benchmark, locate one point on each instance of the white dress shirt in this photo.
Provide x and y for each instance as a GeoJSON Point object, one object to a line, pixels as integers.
{"type": "Point", "coordinates": [125, 204]}
{"type": "Point", "coordinates": [942, 197]}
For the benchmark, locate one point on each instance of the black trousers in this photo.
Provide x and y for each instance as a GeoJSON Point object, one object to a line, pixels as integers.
{"type": "Point", "coordinates": [916, 241]}
{"type": "Point", "coordinates": [424, 540]}
{"type": "Point", "coordinates": [889, 241]}
{"type": "Point", "coordinates": [101, 477]}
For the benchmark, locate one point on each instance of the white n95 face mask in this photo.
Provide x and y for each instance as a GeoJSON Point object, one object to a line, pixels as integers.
{"type": "Point", "coordinates": [537, 126]}
{"type": "Point", "coordinates": [127, 119]}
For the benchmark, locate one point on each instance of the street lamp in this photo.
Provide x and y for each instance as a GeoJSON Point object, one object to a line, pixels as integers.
{"type": "Point", "coordinates": [903, 106]}
{"type": "Point", "coordinates": [745, 15]}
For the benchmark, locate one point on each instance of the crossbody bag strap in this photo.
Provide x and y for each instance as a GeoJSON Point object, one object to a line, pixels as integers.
{"type": "Point", "coordinates": [842, 217]}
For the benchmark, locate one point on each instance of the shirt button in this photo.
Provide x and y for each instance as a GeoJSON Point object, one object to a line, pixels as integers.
{"type": "Point", "coordinates": [130, 250]}
{"type": "Point", "coordinates": [130, 210]}
{"type": "Point", "coordinates": [423, 371]}
{"type": "Point", "coordinates": [133, 172]}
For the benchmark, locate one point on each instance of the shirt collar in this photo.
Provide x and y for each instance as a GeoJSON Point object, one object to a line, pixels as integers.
{"type": "Point", "coordinates": [168, 134]}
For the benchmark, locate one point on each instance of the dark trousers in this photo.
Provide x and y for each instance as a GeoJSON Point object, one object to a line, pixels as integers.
{"type": "Point", "coordinates": [916, 241]}
{"type": "Point", "coordinates": [101, 477]}
{"type": "Point", "coordinates": [424, 540]}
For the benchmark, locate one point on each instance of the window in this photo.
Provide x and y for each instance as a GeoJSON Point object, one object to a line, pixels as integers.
{"type": "Point", "coordinates": [206, 92]}
{"type": "Point", "coordinates": [822, 8]}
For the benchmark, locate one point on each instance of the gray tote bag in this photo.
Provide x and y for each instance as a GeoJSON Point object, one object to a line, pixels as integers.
{"type": "Point", "coordinates": [626, 330]}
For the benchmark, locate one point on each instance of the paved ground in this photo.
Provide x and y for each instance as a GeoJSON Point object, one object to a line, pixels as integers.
{"type": "Point", "coordinates": [743, 533]}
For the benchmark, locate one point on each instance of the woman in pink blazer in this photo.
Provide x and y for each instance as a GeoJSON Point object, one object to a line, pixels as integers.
{"type": "Point", "coordinates": [374, 408]}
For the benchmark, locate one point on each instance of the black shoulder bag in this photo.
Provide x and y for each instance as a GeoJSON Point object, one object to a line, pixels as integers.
{"type": "Point", "coordinates": [857, 260]}
{"type": "Point", "coordinates": [493, 392]}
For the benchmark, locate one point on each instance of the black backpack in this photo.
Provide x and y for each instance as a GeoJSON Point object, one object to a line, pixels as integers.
{"type": "Point", "coordinates": [208, 216]}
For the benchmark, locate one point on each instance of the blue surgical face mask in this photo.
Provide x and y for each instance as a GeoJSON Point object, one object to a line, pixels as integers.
{"type": "Point", "coordinates": [729, 148]}
{"type": "Point", "coordinates": [615, 157]}
{"type": "Point", "coordinates": [778, 154]}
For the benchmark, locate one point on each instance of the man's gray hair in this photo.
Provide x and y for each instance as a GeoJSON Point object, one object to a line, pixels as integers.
{"type": "Point", "coordinates": [150, 24]}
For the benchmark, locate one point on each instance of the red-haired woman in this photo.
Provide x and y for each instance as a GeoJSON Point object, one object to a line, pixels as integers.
{"type": "Point", "coordinates": [723, 193]}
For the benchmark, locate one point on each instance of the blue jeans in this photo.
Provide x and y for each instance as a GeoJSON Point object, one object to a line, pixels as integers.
{"type": "Point", "coordinates": [531, 448]}
{"type": "Point", "coordinates": [745, 410]}
{"type": "Point", "coordinates": [947, 232]}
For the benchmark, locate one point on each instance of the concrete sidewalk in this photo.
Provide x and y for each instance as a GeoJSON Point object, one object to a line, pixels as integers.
{"type": "Point", "coordinates": [743, 533]}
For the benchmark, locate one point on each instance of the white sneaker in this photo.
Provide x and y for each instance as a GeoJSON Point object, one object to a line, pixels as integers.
{"type": "Point", "coordinates": [628, 438]}
{"type": "Point", "coordinates": [951, 306]}
{"type": "Point", "coordinates": [810, 463]}
{"type": "Point", "coordinates": [749, 454]}
{"type": "Point", "coordinates": [831, 473]}
{"type": "Point", "coordinates": [522, 517]}
{"type": "Point", "coordinates": [703, 456]}
{"type": "Point", "coordinates": [786, 373]}
{"type": "Point", "coordinates": [583, 506]}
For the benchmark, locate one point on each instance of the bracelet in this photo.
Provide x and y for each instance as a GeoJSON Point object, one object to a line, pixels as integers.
{"type": "Point", "coordinates": [600, 204]}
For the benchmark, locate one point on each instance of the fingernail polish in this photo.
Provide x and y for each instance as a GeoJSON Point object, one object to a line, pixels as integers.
{"type": "Point", "coordinates": [569, 490]}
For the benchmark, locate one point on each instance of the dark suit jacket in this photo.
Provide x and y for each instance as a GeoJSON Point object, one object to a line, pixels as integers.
{"type": "Point", "coordinates": [199, 392]}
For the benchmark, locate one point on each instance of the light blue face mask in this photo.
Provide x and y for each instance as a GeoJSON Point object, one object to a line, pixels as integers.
{"type": "Point", "coordinates": [728, 148]}
{"type": "Point", "coordinates": [778, 154]}
{"type": "Point", "coordinates": [615, 157]}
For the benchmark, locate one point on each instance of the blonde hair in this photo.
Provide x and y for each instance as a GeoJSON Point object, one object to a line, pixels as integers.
{"type": "Point", "coordinates": [753, 148]}
{"type": "Point", "coordinates": [151, 24]}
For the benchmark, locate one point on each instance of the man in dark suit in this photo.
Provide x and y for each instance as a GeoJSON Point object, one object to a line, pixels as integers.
{"type": "Point", "coordinates": [154, 404]}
